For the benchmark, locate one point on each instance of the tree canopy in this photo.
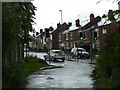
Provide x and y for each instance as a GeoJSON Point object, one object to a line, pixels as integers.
{"type": "Point", "coordinates": [17, 20]}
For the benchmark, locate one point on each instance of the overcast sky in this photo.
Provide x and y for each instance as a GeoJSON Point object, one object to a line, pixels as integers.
{"type": "Point", "coordinates": [48, 13]}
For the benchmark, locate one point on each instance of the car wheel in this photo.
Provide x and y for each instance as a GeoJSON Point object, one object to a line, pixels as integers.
{"type": "Point", "coordinates": [45, 58]}
{"type": "Point", "coordinates": [83, 57]}
{"type": "Point", "coordinates": [53, 59]}
{"type": "Point", "coordinates": [88, 57]}
{"type": "Point", "coordinates": [63, 60]}
{"type": "Point", "coordinates": [72, 56]}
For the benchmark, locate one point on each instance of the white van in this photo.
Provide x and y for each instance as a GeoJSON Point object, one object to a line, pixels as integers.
{"type": "Point", "coordinates": [79, 52]}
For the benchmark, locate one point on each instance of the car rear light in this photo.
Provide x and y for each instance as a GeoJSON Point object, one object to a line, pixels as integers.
{"type": "Point", "coordinates": [54, 51]}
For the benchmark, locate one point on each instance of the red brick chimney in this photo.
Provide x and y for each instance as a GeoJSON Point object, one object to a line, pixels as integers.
{"type": "Point", "coordinates": [41, 30]}
{"type": "Point", "coordinates": [58, 25]}
{"type": "Point", "coordinates": [51, 28]}
{"type": "Point", "coordinates": [77, 22]}
{"type": "Point", "coordinates": [91, 17]}
{"type": "Point", "coordinates": [70, 24]}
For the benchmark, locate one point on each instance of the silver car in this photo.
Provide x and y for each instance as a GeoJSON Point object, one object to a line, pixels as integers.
{"type": "Point", "coordinates": [53, 55]}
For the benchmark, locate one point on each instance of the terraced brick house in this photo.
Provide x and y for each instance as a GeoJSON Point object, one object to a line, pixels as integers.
{"type": "Point", "coordinates": [67, 38]}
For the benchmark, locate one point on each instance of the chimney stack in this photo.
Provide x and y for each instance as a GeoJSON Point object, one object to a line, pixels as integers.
{"type": "Point", "coordinates": [41, 30]}
{"type": "Point", "coordinates": [51, 28]}
{"type": "Point", "coordinates": [91, 17]}
{"type": "Point", "coordinates": [58, 25]}
{"type": "Point", "coordinates": [70, 24]}
{"type": "Point", "coordinates": [77, 23]}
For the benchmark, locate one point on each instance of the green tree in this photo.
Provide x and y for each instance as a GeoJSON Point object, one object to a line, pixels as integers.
{"type": "Point", "coordinates": [17, 20]}
{"type": "Point", "coordinates": [108, 64]}
{"type": "Point", "coordinates": [113, 13]}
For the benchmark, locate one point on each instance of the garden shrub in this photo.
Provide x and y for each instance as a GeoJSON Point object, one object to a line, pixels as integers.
{"type": "Point", "coordinates": [11, 74]}
{"type": "Point", "coordinates": [108, 63]}
{"type": "Point", "coordinates": [32, 58]}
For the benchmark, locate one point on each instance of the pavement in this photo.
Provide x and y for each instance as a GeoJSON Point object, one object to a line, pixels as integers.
{"type": "Point", "coordinates": [50, 67]}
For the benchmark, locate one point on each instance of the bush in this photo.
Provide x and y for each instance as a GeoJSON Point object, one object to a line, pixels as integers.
{"type": "Point", "coordinates": [11, 74]}
{"type": "Point", "coordinates": [95, 51]}
{"type": "Point", "coordinates": [31, 59]}
{"type": "Point", "coordinates": [108, 64]}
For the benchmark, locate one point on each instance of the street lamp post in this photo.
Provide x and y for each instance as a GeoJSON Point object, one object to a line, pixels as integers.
{"type": "Point", "coordinates": [61, 16]}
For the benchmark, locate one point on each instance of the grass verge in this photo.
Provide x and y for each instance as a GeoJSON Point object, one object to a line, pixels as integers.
{"type": "Point", "coordinates": [14, 72]}
{"type": "Point", "coordinates": [29, 68]}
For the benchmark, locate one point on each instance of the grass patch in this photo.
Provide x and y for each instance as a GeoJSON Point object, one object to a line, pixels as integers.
{"type": "Point", "coordinates": [29, 68]}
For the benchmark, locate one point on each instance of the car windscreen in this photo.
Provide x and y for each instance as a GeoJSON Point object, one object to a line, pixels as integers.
{"type": "Point", "coordinates": [80, 50]}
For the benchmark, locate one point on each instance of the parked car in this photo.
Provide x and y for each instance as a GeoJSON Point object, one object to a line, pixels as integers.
{"type": "Point", "coordinates": [79, 52]}
{"type": "Point", "coordinates": [54, 55]}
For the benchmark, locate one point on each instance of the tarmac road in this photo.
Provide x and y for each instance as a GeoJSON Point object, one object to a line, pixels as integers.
{"type": "Point", "coordinates": [73, 74]}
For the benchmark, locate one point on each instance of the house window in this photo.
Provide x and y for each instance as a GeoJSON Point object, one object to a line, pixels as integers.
{"type": "Point", "coordinates": [85, 35]}
{"type": "Point", "coordinates": [41, 41]}
{"type": "Point", "coordinates": [51, 37]}
{"type": "Point", "coordinates": [67, 36]}
{"type": "Point", "coordinates": [44, 40]}
{"type": "Point", "coordinates": [60, 36]}
{"type": "Point", "coordinates": [97, 30]}
{"type": "Point", "coordinates": [59, 45]}
{"type": "Point", "coordinates": [71, 45]}
{"type": "Point", "coordinates": [104, 31]}
{"type": "Point", "coordinates": [67, 45]}
{"type": "Point", "coordinates": [71, 36]}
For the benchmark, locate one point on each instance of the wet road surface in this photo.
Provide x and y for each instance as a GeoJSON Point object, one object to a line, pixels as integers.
{"type": "Point", "coordinates": [74, 74]}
